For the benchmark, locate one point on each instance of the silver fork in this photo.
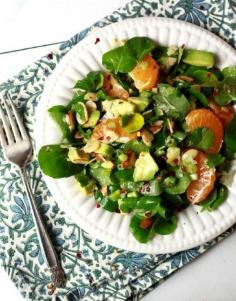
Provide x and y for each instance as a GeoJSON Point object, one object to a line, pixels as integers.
{"type": "Point", "coordinates": [18, 149]}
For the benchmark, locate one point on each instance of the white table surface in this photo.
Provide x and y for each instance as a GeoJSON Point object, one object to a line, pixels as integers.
{"type": "Point", "coordinates": [26, 23]}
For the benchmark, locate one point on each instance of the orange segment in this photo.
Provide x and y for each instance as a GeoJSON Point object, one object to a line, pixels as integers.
{"type": "Point", "coordinates": [145, 74]}
{"type": "Point", "coordinates": [199, 189]}
{"type": "Point", "coordinates": [224, 113]}
{"type": "Point", "coordinates": [206, 118]}
{"type": "Point", "coordinates": [113, 88]}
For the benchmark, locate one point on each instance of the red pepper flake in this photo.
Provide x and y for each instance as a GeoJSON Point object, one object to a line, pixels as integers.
{"type": "Point", "coordinates": [97, 41]}
{"type": "Point", "coordinates": [98, 205]}
{"type": "Point", "coordinates": [78, 254]}
{"type": "Point", "coordinates": [50, 56]}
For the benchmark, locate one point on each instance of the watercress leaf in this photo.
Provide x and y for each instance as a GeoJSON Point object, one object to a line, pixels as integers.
{"type": "Point", "coordinates": [165, 226]}
{"type": "Point", "coordinates": [105, 202]}
{"type": "Point", "coordinates": [142, 235]}
{"type": "Point", "coordinates": [123, 59]}
{"type": "Point", "coordinates": [205, 78]}
{"type": "Point", "coordinates": [145, 206]}
{"type": "Point", "coordinates": [198, 95]}
{"type": "Point", "coordinates": [119, 59]}
{"type": "Point", "coordinates": [171, 101]}
{"type": "Point", "coordinates": [213, 160]}
{"type": "Point", "coordinates": [58, 114]}
{"type": "Point", "coordinates": [230, 135]}
{"type": "Point", "coordinates": [53, 162]}
{"type": "Point", "coordinates": [226, 91]}
{"type": "Point", "coordinates": [78, 96]}
{"type": "Point", "coordinates": [124, 175]}
{"type": "Point", "coordinates": [180, 185]}
{"type": "Point", "coordinates": [216, 198]}
{"type": "Point", "coordinates": [92, 82]}
{"type": "Point", "coordinates": [82, 178]}
{"type": "Point", "coordinates": [140, 46]}
{"type": "Point", "coordinates": [201, 138]}
{"type": "Point", "coordinates": [229, 71]}
{"type": "Point", "coordinates": [136, 146]}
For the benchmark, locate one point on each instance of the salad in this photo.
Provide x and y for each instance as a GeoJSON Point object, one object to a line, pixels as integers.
{"type": "Point", "coordinates": [148, 136]}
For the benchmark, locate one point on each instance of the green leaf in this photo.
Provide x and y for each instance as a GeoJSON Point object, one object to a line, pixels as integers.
{"type": "Point", "coordinates": [58, 114]}
{"type": "Point", "coordinates": [213, 160]}
{"type": "Point", "coordinates": [216, 198]}
{"type": "Point", "coordinates": [143, 205]}
{"type": "Point", "coordinates": [230, 136]}
{"type": "Point", "coordinates": [205, 78]}
{"type": "Point", "coordinates": [226, 91]}
{"type": "Point", "coordinates": [82, 178]}
{"type": "Point", "coordinates": [53, 162]}
{"type": "Point", "coordinates": [123, 59]}
{"type": "Point", "coordinates": [139, 46]}
{"type": "Point", "coordinates": [119, 60]}
{"type": "Point", "coordinates": [201, 138]}
{"type": "Point", "coordinates": [229, 71]}
{"type": "Point", "coordinates": [105, 202]}
{"type": "Point", "coordinates": [165, 226]}
{"type": "Point", "coordinates": [141, 235]}
{"type": "Point", "coordinates": [81, 112]}
{"type": "Point", "coordinates": [198, 95]}
{"type": "Point", "coordinates": [181, 183]}
{"type": "Point", "coordinates": [171, 101]}
{"type": "Point", "coordinates": [78, 96]}
{"type": "Point", "coordinates": [136, 146]}
{"type": "Point", "coordinates": [92, 82]}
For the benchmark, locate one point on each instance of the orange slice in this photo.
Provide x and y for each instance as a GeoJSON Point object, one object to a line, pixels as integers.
{"type": "Point", "coordinates": [206, 118]}
{"type": "Point", "coordinates": [113, 88]}
{"type": "Point", "coordinates": [199, 189]}
{"type": "Point", "coordinates": [145, 74]}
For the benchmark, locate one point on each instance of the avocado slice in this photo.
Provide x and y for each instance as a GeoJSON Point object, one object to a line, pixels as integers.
{"type": "Point", "coordinates": [140, 102]}
{"type": "Point", "coordinates": [119, 107]}
{"type": "Point", "coordinates": [198, 58]}
{"type": "Point", "coordinates": [145, 167]}
{"type": "Point", "coordinates": [78, 156]}
{"type": "Point", "coordinates": [135, 123]}
{"type": "Point", "coordinates": [92, 120]}
{"type": "Point", "coordinates": [88, 189]}
{"type": "Point", "coordinates": [106, 150]}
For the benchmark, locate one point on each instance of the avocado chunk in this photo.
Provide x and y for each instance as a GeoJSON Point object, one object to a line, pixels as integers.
{"type": "Point", "coordinates": [140, 102]}
{"type": "Point", "coordinates": [135, 123]}
{"type": "Point", "coordinates": [78, 156]}
{"type": "Point", "coordinates": [88, 189]}
{"type": "Point", "coordinates": [119, 107]}
{"type": "Point", "coordinates": [101, 175]}
{"type": "Point", "coordinates": [92, 120]}
{"type": "Point", "coordinates": [106, 150]}
{"type": "Point", "coordinates": [199, 58]}
{"type": "Point", "coordinates": [145, 167]}
{"type": "Point", "coordinates": [166, 62]}
{"type": "Point", "coordinates": [86, 184]}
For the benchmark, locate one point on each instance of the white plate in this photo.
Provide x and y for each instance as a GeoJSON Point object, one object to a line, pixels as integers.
{"type": "Point", "coordinates": [194, 227]}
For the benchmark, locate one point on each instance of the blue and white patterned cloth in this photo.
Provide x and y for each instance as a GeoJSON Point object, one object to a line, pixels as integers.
{"type": "Point", "coordinates": [95, 271]}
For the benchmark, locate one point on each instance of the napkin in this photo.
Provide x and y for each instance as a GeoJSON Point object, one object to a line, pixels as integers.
{"type": "Point", "coordinates": [94, 270]}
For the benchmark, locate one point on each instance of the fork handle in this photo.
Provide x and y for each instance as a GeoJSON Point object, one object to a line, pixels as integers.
{"type": "Point", "coordinates": [47, 249]}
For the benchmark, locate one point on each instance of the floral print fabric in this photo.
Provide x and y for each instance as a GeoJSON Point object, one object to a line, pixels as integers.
{"type": "Point", "coordinates": [94, 270]}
